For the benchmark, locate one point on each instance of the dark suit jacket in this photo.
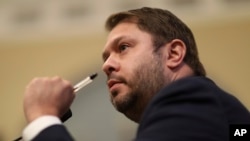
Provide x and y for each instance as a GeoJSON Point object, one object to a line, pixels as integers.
{"type": "Point", "coordinates": [190, 109]}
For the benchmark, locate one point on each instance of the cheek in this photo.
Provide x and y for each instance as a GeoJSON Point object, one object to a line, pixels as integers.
{"type": "Point", "coordinates": [132, 66]}
{"type": "Point", "coordinates": [127, 68]}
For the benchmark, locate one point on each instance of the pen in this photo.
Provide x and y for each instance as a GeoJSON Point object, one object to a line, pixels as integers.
{"type": "Point", "coordinates": [77, 87]}
{"type": "Point", "coordinates": [84, 82]}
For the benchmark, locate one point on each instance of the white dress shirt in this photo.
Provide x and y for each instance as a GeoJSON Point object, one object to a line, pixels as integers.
{"type": "Point", "coordinates": [38, 125]}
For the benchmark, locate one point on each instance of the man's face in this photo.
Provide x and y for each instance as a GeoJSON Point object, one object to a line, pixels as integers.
{"type": "Point", "coordinates": [135, 73]}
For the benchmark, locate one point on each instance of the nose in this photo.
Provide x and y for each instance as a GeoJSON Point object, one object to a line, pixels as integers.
{"type": "Point", "coordinates": [110, 65]}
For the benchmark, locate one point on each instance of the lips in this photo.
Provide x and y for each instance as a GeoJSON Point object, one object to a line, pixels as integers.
{"type": "Point", "coordinates": [112, 82]}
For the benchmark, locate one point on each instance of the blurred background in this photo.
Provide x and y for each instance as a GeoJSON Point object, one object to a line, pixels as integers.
{"type": "Point", "coordinates": [66, 37]}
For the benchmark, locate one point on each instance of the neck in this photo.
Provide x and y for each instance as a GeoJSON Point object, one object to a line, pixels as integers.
{"type": "Point", "coordinates": [181, 71]}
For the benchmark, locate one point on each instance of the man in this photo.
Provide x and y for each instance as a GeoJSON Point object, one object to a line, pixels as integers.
{"type": "Point", "coordinates": [155, 78]}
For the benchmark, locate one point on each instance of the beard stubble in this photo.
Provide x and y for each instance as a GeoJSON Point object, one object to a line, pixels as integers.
{"type": "Point", "coordinates": [148, 78]}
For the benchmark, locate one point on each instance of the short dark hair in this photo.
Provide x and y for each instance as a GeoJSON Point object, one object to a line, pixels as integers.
{"type": "Point", "coordinates": [164, 27]}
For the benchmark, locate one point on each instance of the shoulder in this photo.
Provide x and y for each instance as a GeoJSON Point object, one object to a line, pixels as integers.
{"type": "Point", "coordinates": [190, 88]}
{"type": "Point", "coordinates": [183, 109]}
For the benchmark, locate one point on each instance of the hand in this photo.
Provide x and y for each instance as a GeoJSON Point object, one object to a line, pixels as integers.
{"type": "Point", "coordinates": [47, 96]}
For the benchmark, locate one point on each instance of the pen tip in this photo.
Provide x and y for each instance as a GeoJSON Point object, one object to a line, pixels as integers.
{"type": "Point", "coordinates": [93, 76]}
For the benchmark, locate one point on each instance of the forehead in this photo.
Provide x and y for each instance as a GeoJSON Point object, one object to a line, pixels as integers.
{"type": "Point", "coordinates": [126, 30]}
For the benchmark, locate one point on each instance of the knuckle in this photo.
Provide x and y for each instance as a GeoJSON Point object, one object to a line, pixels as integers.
{"type": "Point", "coordinates": [32, 82]}
{"type": "Point", "coordinates": [67, 84]}
{"type": "Point", "coordinates": [57, 78]}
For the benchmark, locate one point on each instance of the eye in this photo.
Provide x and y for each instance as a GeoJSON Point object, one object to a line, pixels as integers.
{"type": "Point", "coordinates": [123, 47]}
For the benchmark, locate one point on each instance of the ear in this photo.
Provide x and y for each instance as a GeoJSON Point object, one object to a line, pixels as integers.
{"type": "Point", "coordinates": [176, 51]}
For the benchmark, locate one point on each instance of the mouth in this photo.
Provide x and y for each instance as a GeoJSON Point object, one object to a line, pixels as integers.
{"type": "Point", "coordinates": [112, 82]}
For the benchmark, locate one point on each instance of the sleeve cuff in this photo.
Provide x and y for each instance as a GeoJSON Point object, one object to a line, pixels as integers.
{"type": "Point", "coordinates": [38, 125]}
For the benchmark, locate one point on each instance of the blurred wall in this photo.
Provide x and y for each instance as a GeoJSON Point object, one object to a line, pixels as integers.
{"type": "Point", "coordinates": [223, 43]}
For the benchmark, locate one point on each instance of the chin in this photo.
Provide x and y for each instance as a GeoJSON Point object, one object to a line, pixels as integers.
{"type": "Point", "coordinates": [127, 104]}
{"type": "Point", "coordinates": [122, 102]}
{"type": "Point", "coordinates": [120, 98]}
